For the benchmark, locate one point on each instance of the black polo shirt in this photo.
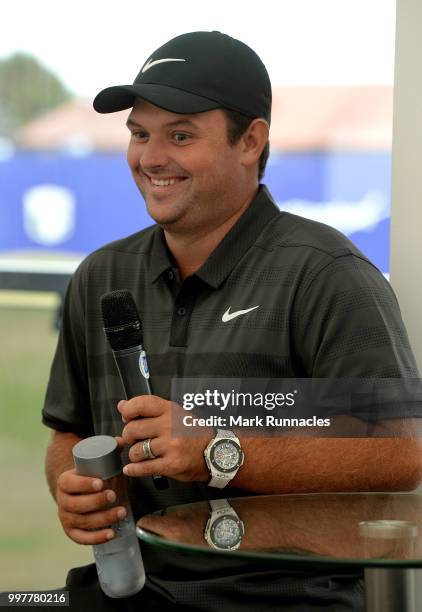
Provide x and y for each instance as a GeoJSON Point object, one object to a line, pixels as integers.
{"type": "Point", "coordinates": [317, 307]}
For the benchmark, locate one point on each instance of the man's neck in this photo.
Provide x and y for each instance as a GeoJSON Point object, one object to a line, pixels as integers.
{"type": "Point", "coordinates": [190, 251]}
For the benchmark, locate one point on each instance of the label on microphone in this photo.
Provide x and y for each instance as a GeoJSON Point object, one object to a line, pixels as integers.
{"type": "Point", "coordinates": [143, 364]}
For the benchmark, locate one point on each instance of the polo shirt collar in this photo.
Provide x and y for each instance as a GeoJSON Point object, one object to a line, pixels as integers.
{"type": "Point", "coordinates": [231, 249]}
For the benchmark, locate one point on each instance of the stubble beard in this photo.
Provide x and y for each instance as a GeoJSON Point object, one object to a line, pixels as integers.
{"type": "Point", "coordinates": [177, 220]}
{"type": "Point", "coordinates": [171, 219]}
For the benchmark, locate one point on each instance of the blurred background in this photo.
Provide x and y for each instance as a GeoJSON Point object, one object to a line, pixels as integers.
{"type": "Point", "coordinates": [65, 188]}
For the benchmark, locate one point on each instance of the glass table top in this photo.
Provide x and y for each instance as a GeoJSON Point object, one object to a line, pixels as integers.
{"type": "Point", "coordinates": [348, 529]}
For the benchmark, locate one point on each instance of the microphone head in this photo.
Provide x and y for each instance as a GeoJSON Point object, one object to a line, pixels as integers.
{"type": "Point", "coordinates": [121, 321]}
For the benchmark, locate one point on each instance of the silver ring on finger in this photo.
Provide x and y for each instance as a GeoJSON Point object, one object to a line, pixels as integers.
{"type": "Point", "coordinates": [146, 447]}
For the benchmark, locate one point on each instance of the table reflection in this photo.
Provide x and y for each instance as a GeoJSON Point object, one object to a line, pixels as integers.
{"type": "Point", "coordinates": [364, 529]}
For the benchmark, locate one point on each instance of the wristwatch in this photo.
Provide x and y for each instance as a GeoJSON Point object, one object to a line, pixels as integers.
{"type": "Point", "coordinates": [223, 457]}
{"type": "Point", "coordinates": [224, 529]}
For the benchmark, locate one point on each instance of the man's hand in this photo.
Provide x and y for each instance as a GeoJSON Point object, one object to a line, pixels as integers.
{"type": "Point", "coordinates": [178, 457]}
{"type": "Point", "coordinates": [84, 505]}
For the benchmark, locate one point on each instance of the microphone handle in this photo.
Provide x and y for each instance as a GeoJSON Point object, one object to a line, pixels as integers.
{"type": "Point", "coordinates": [134, 374]}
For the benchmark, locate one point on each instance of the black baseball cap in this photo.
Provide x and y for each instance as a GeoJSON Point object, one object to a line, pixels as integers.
{"type": "Point", "coordinates": [197, 72]}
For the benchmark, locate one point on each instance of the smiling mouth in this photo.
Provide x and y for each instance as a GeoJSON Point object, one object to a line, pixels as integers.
{"type": "Point", "coordinates": [156, 182]}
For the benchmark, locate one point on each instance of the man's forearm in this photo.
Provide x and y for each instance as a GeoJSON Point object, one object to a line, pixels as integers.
{"type": "Point", "coordinates": [59, 457]}
{"type": "Point", "coordinates": [287, 465]}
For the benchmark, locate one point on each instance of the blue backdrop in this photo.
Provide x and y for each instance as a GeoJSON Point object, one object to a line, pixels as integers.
{"type": "Point", "coordinates": [57, 203]}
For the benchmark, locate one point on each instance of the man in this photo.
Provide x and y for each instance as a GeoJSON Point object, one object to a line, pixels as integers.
{"type": "Point", "coordinates": [226, 285]}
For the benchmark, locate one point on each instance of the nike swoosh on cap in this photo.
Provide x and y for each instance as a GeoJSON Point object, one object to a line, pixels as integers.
{"type": "Point", "coordinates": [150, 64]}
{"type": "Point", "coordinates": [228, 316]}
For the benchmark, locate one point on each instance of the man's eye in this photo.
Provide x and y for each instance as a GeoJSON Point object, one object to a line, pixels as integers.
{"type": "Point", "coordinates": [139, 135]}
{"type": "Point", "coordinates": [180, 137]}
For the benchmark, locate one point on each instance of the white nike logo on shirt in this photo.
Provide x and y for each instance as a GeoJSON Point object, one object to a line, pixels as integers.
{"type": "Point", "coordinates": [150, 64]}
{"type": "Point", "coordinates": [228, 316]}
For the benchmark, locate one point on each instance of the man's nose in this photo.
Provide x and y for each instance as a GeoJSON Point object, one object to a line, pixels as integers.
{"type": "Point", "coordinates": [153, 155]}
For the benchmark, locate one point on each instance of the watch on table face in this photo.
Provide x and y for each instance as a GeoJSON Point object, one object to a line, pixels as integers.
{"type": "Point", "coordinates": [226, 455]}
{"type": "Point", "coordinates": [226, 532]}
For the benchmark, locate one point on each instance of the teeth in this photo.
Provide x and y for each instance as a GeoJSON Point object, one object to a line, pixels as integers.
{"type": "Point", "coordinates": [164, 183]}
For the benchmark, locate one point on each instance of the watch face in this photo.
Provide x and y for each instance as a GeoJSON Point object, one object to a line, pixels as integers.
{"type": "Point", "coordinates": [226, 455]}
{"type": "Point", "coordinates": [226, 532]}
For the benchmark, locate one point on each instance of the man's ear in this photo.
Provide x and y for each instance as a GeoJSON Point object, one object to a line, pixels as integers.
{"type": "Point", "coordinates": [254, 140]}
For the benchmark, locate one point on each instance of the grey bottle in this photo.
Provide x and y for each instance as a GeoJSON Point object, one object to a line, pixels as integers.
{"type": "Point", "coordinates": [119, 562]}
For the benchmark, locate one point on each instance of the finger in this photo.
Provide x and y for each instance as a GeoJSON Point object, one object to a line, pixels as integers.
{"type": "Point", "coordinates": [137, 451]}
{"type": "Point", "coordinates": [81, 504]}
{"type": "Point", "coordinates": [70, 482]}
{"type": "Point", "coordinates": [152, 467]}
{"type": "Point", "coordinates": [90, 537]}
{"type": "Point", "coordinates": [120, 442]}
{"type": "Point", "coordinates": [142, 405]}
{"type": "Point", "coordinates": [141, 429]}
{"type": "Point", "coordinates": [93, 520]}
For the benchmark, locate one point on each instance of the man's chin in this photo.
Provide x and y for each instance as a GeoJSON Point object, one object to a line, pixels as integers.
{"type": "Point", "coordinates": [165, 219]}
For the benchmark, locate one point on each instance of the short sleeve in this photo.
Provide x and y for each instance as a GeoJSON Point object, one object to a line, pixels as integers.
{"type": "Point", "coordinates": [67, 400]}
{"type": "Point", "coordinates": [349, 324]}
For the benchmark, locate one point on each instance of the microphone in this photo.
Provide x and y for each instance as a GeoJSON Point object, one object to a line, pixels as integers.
{"type": "Point", "coordinates": [123, 329]}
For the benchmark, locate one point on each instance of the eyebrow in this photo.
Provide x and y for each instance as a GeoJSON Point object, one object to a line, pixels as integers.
{"type": "Point", "coordinates": [178, 122]}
